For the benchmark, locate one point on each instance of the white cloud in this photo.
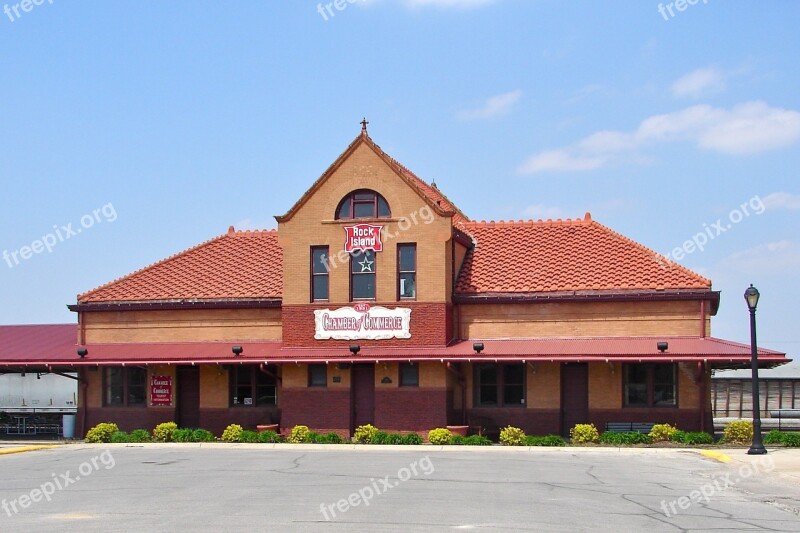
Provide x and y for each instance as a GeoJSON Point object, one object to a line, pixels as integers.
{"type": "Point", "coordinates": [448, 3]}
{"type": "Point", "coordinates": [543, 211]}
{"type": "Point", "coordinates": [493, 107]}
{"type": "Point", "coordinates": [782, 200]}
{"type": "Point", "coordinates": [698, 83]}
{"type": "Point", "coordinates": [747, 128]}
{"type": "Point", "coordinates": [771, 257]}
{"type": "Point", "coordinates": [559, 161]}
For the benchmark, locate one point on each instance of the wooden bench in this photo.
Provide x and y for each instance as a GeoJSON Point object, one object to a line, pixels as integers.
{"type": "Point", "coordinates": [624, 427]}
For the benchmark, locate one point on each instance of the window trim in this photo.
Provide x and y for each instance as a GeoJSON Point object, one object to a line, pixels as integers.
{"type": "Point", "coordinates": [125, 388]}
{"type": "Point", "coordinates": [376, 198]}
{"type": "Point", "coordinates": [400, 382]}
{"type": "Point", "coordinates": [500, 384]}
{"type": "Point", "coordinates": [650, 383]}
{"type": "Point", "coordinates": [400, 272]}
{"type": "Point", "coordinates": [314, 275]}
{"type": "Point", "coordinates": [374, 273]}
{"type": "Point", "coordinates": [233, 385]}
{"type": "Point", "coordinates": [318, 365]}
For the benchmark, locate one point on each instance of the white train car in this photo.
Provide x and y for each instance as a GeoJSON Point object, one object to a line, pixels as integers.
{"type": "Point", "coordinates": [38, 393]}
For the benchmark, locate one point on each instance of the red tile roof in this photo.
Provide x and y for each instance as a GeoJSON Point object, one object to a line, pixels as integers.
{"type": "Point", "coordinates": [236, 265]}
{"type": "Point", "coordinates": [564, 255]}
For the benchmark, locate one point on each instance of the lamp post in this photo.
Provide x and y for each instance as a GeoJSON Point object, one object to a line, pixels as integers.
{"type": "Point", "coordinates": [751, 296]}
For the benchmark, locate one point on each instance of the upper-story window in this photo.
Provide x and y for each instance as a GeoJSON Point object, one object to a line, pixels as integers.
{"type": "Point", "coordinates": [363, 203]}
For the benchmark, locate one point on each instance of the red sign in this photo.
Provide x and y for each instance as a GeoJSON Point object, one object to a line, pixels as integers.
{"type": "Point", "coordinates": [363, 237]}
{"type": "Point", "coordinates": [161, 390]}
{"type": "Point", "coordinates": [361, 307]}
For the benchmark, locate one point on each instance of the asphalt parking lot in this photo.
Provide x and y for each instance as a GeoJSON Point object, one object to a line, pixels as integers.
{"type": "Point", "coordinates": [155, 488]}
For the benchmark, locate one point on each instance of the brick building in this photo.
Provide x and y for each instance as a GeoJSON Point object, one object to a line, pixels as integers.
{"type": "Point", "coordinates": [378, 301]}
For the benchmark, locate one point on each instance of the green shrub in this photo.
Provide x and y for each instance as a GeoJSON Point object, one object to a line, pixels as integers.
{"type": "Point", "coordinates": [477, 440]}
{"type": "Point", "coordinates": [511, 436]}
{"type": "Point", "coordinates": [774, 437]}
{"type": "Point", "coordinates": [549, 440]}
{"type": "Point", "coordinates": [624, 439]}
{"type": "Point", "coordinates": [791, 440]}
{"type": "Point", "coordinates": [183, 435]}
{"type": "Point", "coordinates": [298, 435]}
{"type": "Point", "coordinates": [472, 440]}
{"type": "Point", "coordinates": [248, 436]}
{"type": "Point", "coordinates": [584, 433]}
{"type": "Point", "coordinates": [364, 434]}
{"type": "Point", "coordinates": [268, 437]}
{"type": "Point", "coordinates": [738, 432]}
{"type": "Point", "coordinates": [329, 438]}
{"type": "Point", "coordinates": [163, 432]}
{"type": "Point", "coordinates": [120, 436]}
{"type": "Point", "coordinates": [440, 436]}
{"type": "Point", "coordinates": [140, 435]}
{"type": "Point", "coordinates": [203, 435]}
{"type": "Point", "coordinates": [232, 433]}
{"type": "Point", "coordinates": [101, 432]}
{"type": "Point", "coordinates": [662, 432]}
{"type": "Point", "coordinates": [692, 438]}
{"type": "Point", "coordinates": [379, 437]}
{"type": "Point", "coordinates": [411, 439]}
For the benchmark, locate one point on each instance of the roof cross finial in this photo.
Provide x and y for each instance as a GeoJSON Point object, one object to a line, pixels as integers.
{"type": "Point", "coordinates": [364, 123]}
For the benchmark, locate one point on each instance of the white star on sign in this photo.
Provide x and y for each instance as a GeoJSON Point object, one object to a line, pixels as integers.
{"type": "Point", "coordinates": [366, 265]}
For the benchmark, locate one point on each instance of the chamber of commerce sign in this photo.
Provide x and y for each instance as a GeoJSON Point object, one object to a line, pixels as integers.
{"type": "Point", "coordinates": [363, 237]}
{"type": "Point", "coordinates": [161, 390]}
{"type": "Point", "coordinates": [362, 322]}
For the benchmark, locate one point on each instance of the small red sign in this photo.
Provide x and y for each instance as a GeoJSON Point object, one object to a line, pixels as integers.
{"type": "Point", "coordinates": [161, 390]}
{"type": "Point", "coordinates": [363, 237]}
{"type": "Point", "coordinates": [361, 307]}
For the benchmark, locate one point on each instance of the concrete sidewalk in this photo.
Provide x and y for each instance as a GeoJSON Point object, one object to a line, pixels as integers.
{"type": "Point", "coordinates": [786, 461]}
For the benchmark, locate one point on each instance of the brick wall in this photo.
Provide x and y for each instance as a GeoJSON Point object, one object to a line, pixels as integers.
{"type": "Point", "coordinates": [321, 409]}
{"type": "Point", "coordinates": [410, 409]}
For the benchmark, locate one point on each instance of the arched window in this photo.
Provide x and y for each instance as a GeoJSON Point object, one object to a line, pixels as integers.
{"type": "Point", "coordinates": [363, 203]}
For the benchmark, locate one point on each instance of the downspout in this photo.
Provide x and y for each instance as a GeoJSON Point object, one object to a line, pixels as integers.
{"type": "Point", "coordinates": [702, 318]}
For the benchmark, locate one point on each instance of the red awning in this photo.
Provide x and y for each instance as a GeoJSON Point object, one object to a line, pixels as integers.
{"type": "Point", "coordinates": [54, 346]}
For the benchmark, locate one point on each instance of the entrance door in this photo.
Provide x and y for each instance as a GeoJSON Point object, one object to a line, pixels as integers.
{"type": "Point", "coordinates": [363, 395]}
{"type": "Point", "coordinates": [188, 397]}
{"type": "Point", "coordinates": [574, 395]}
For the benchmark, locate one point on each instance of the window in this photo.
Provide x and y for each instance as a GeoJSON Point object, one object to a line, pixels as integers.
{"type": "Point", "coordinates": [252, 387]}
{"type": "Point", "coordinates": [319, 273]}
{"type": "Point", "coordinates": [650, 385]}
{"type": "Point", "coordinates": [363, 203]}
{"type": "Point", "coordinates": [409, 375]}
{"type": "Point", "coordinates": [407, 270]}
{"type": "Point", "coordinates": [362, 275]}
{"type": "Point", "coordinates": [125, 387]}
{"type": "Point", "coordinates": [317, 375]}
{"type": "Point", "coordinates": [500, 385]}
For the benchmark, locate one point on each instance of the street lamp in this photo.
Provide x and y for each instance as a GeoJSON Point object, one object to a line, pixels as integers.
{"type": "Point", "coordinates": [751, 296]}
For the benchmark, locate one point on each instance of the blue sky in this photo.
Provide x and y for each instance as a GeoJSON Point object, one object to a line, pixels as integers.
{"type": "Point", "coordinates": [152, 127]}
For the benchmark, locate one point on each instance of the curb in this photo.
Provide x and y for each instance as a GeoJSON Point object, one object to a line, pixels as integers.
{"type": "Point", "coordinates": [21, 449]}
{"type": "Point", "coordinates": [717, 456]}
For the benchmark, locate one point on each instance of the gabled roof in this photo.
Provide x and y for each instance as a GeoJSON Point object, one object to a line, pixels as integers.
{"type": "Point", "coordinates": [429, 193]}
{"type": "Point", "coordinates": [564, 255]}
{"type": "Point", "coordinates": [236, 265]}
